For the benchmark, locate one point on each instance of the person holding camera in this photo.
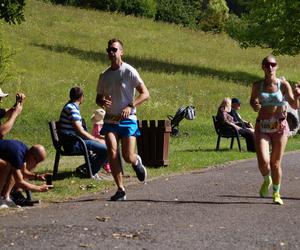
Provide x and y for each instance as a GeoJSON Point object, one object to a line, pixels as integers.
{"type": "Point", "coordinates": [17, 162]}
{"type": "Point", "coordinates": [10, 114]}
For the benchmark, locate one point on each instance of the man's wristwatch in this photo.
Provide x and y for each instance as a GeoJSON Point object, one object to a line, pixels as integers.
{"type": "Point", "coordinates": [130, 105]}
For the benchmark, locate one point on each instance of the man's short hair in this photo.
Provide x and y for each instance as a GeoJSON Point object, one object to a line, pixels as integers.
{"type": "Point", "coordinates": [114, 40]}
{"type": "Point", "coordinates": [267, 58]}
{"type": "Point", "coordinates": [235, 100]}
{"type": "Point", "coordinates": [75, 93]}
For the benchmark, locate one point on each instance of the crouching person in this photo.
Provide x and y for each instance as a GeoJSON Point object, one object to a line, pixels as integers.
{"type": "Point", "coordinates": [16, 165]}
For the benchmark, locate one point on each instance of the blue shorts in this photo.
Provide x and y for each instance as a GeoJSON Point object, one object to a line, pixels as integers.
{"type": "Point", "coordinates": [125, 128]}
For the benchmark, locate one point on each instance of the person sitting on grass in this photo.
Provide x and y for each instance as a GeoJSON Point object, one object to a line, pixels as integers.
{"type": "Point", "coordinates": [71, 123]}
{"type": "Point", "coordinates": [16, 165]}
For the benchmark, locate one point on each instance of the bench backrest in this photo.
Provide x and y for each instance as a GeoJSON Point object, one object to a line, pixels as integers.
{"type": "Point", "coordinates": [216, 126]}
{"type": "Point", "coordinates": [54, 134]}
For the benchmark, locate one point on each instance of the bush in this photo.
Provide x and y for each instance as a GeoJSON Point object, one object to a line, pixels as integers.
{"type": "Point", "coordinates": [209, 15]}
{"type": "Point", "coordinates": [239, 7]}
{"type": "Point", "coordinates": [214, 15]}
{"type": "Point", "coordinates": [146, 8]}
{"type": "Point", "coordinates": [183, 12]}
{"type": "Point", "coordinates": [12, 11]}
{"type": "Point", "coordinates": [106, 5]}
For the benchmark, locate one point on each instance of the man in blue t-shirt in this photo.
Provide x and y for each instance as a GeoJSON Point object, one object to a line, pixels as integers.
{"type": "Point", "coordinates": [16, 165]}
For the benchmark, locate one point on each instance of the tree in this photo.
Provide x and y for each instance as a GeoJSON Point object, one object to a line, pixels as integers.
{"type": "Point", "coordinates": [238, 7]}
{"type": "Point", "coordinates": [183, 12]}
{"type": "Point", "coordinates": [213, 16]}
{"type": "Point", "coordinates": [12, 11]}
{"type": "Point", "coordinates": [269, 24]}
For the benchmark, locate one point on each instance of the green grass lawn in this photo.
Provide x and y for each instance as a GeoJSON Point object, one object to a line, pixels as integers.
{"type": "Point", "coordinates": [58, 47]}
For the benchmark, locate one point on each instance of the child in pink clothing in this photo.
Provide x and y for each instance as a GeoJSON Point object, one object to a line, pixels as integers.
{"type": "Point", "coordinates": [97, 120]}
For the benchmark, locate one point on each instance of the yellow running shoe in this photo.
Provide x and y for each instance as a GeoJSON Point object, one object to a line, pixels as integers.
{"type": "Point", "coordinates": [277, 199]}
{"type": "Point", "coordinates": [264, 190]}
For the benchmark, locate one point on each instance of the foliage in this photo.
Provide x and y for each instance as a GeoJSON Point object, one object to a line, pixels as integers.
{"type": "Point", "coordinates": [5, 57]}
{"type": "Point", "coordinates": [178, 11]}
{"type": "Point", "coordinates": [269, 24]}
{"type": "Point", "coordinates": [146, 8]}
{"type": "Point", "coordinates": [107, 5]}
{"type": "Point", "coordinates": [12, 11]}
{"type": "Point", "coordinates": [238, 7]}
{"type": "Point", "coordinates": [208, 15]}
{"type": "Point", "coordinates": [214, 16]}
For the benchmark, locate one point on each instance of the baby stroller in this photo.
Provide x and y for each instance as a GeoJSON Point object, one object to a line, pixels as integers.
{"type": "Point", "coordinates": [183, 112]}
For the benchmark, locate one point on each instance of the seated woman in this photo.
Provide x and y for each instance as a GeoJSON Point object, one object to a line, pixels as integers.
{"type": "Point", "coordinates": [225, 119]}
{"type": "Point", "coordinates": [71, 124]}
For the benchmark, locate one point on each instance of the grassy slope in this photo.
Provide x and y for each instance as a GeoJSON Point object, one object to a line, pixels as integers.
{"type": "Point", "coordinates": [58, 47]}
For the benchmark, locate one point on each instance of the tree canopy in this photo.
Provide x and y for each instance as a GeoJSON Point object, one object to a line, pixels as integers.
{"type": "Point", "coordinates": [269, 24]}
{"type": "Point", "coordinates": [12, 11]}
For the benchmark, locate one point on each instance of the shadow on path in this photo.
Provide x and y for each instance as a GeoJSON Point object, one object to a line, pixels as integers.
{"type": "Point", "coordinates": [240, 196]}
{"type": "Point", "coordinates": [75, 201]}
{"type": "Point", "coordinates": [199, 202]}
{"type": "Point", "coordinates": [154, 65]}
{"type": "Point", "coordinates": [178, 202]}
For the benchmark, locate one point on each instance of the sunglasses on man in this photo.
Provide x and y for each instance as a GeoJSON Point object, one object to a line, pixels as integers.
{"type": "Point", "coordinates": [272, 64]}
{"type": "Point", "coordinates": [111, 49]}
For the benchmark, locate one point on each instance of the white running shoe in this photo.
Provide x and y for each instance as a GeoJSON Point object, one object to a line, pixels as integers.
{"type": "Point", "coordinates": [3, 203]}
{"type": "Point", "coordinates": [9, 203]}
{"type": "Point", "coordinates": [140, 170]}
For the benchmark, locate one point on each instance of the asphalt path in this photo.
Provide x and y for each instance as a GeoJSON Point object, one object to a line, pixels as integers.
{"type": "Point", "coordinates": [213, 208]}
